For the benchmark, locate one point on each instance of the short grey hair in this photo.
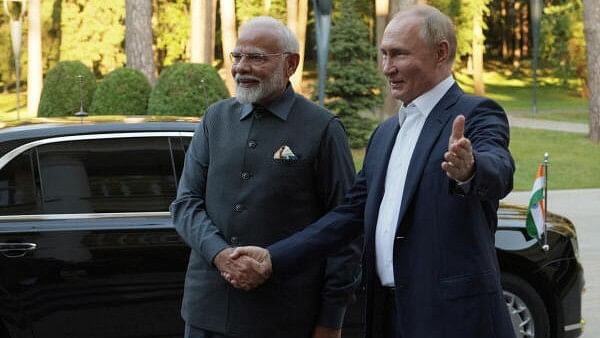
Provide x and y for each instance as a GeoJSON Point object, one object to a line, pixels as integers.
{"type": "Point", "coordinates": [287, 38]}
{"type": "Point", "coordinates": [436, 28]}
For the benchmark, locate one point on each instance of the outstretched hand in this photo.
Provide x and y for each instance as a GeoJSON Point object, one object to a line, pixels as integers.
{"type": "Point", "coordinates": [458, 160]}
{"type": "Point", "coordinates": [253, 267]}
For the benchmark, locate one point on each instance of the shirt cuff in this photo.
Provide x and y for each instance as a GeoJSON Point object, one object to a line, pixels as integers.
{"type": "Point", "coordinates": [332, 316]}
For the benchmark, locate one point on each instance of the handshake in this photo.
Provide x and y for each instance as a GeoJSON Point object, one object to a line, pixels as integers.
{"type": "Point", "coordinates": [244, 267]}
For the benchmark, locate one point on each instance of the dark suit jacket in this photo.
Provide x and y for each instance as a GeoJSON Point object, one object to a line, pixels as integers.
{"type": "Point", "coordinates": [445, 267]}
{"type": "Point", "coordinates": [233, 192]}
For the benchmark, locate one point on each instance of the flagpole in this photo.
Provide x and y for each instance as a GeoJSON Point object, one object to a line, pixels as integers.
{"type": "Point", "coordinates": [545, 247]}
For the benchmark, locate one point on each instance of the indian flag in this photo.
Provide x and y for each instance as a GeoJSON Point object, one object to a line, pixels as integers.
{"type": "Point", "coordinates": [535, 213]}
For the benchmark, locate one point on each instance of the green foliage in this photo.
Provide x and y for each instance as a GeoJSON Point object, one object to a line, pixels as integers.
{"type": "Point", "coordinates": [124, 91]}
{"type": "Point", "coordinates": [354, 85]}
{"type": "Point", "coordinates": [246, 10]}
{"type": "Point", "coordinates": [461, 12]}
{"type": "Point", "coordinates": [171, 31]}
{"type": "Point", "coordinates": [562, 42]}
{"type": "Point", "coordinates": [61, 91]}
{"type": "Point", "coordinates": [186, 89]}
{"type": "Point", "coordinates": [6, 60]}
{"type": "Point", "coordinates": [94, 33]}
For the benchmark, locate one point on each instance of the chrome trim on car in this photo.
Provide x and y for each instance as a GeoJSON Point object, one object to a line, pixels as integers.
{"type": "Point", "coordinates": [49, 217]}
{"type": "Point", "coordinates": [572, 327]}
{"type": "Point", "coordinates": [17, 151]}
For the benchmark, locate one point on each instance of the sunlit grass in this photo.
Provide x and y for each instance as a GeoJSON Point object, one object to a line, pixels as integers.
{"type": "Point", "coordinates": [515, 95]}
{"type": "Point", "coordinates": [573, 157]}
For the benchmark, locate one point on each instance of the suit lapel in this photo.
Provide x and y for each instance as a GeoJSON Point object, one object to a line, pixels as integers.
{"type": "Point", "coordinates": [430, 133]}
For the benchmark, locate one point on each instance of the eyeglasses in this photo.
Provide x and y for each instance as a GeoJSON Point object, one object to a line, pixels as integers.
{"type": "Point", "coordinates": [252, 58]}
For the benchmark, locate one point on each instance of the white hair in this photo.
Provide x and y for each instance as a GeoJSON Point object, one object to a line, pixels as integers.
{"type": "Point", "coordinates": [287, 39]}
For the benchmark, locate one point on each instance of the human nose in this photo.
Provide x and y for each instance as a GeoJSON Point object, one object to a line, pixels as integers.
{"type": "Point", "coordinates": [387, 66]}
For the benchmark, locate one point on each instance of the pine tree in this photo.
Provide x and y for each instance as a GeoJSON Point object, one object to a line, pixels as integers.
{"type": "Point", "coordinates": [354, 84]}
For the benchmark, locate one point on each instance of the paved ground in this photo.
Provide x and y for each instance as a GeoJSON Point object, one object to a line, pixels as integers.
{"type": "Point", "coordinates": [583, 208]}
{"type": "Point", "coordinates": [549, 125]}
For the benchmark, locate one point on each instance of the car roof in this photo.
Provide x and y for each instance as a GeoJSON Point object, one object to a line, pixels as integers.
{"type": "Point", "coordinates": [38, 131]}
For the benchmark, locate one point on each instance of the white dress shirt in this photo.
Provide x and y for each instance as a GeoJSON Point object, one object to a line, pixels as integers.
{"type": "Point", "coordinates": [412, 118]}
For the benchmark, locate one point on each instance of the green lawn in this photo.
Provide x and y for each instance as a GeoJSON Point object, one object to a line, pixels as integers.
{"type": "Point", "coordinates": [574, 160]}
{"type": "Point", "coordinates": [514, 93]}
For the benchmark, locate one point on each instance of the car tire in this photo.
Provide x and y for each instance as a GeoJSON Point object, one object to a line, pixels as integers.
{"type": "Point", "coordinates": [526, 308]}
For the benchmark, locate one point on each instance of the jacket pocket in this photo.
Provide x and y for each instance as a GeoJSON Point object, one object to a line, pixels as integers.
{"type": "Point", "coordinates": [468, 285]}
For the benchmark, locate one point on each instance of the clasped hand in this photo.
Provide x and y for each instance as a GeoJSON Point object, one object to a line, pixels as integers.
{"type": "Point", "coordinates": [244, 267]}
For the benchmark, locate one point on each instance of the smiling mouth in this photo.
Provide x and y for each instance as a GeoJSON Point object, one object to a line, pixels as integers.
{"type": "Point", "coordinates": [396, 84]}
{"type": "Point", "coordinates": [247, 81]}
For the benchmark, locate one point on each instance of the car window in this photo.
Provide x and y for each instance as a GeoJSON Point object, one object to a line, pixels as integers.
{"type": "Point", "coordinates": [17, 187]}
{"type": "Point", "coordinates": [107, 175]}
{"type": "Point", "coordinates": [179, 146]}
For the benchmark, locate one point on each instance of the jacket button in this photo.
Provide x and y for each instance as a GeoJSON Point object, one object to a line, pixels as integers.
{"type": "Point", "coordinates": [245, 175]}
{"type": "Point", "coordinates": [252, 144]}
{"type": "Point", "coordinates": [258, 116]}
{"type": "Point", "coordinates": [239, 207]}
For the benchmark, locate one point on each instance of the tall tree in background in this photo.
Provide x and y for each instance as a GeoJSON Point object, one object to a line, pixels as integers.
{"type": "Point", "coordinates": [228, 39]}
{"type": "Point", "coordinates": [592, 37]}
{"type": "Point", "coordinates": [203, 19]}
{"type": "Point", "coordinates": [354, 84]}
{"type": "Point", "coordinates": [297, 17]}
{"type": "Point", "coordinates": [138, 37]}
{"type": "Point", "coordinates": [479, 8]}
{"type": "Point", "coordinates": [34, 51]}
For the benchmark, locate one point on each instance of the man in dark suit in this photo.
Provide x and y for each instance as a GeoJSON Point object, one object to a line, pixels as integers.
{"type": "Point", "coordinates": [425, 199]}
{"type": "Point", "coordinates": [260, 167]}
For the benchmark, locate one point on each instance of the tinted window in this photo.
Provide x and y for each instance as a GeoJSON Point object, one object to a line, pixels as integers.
{"type": "Point", "coordinates": [17, 187]}
{"type": "Point", "coordinates": [112, 175]}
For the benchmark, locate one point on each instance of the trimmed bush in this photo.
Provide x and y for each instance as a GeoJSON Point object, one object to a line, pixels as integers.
{"type": "Point", "coordinates": [186, 89]}
{"type": "Point", "coordinates": [124, 91]}
{"type": "Point", "coordinates": [61, 94]}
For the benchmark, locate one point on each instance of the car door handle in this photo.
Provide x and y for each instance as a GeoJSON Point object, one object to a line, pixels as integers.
{"type": "Point", "coordinates": [13, 250]}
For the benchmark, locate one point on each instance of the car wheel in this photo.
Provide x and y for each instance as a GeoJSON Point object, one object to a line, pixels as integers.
{"type": "Point", "coordinates": [525, 307]}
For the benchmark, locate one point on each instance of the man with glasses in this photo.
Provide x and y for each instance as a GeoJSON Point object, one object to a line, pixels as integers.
{"type": "Point", "coordinates": [262, 166]}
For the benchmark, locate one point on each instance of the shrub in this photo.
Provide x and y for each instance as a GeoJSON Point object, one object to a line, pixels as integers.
{"type": "Point", "coordinates": [61, 93]}
{"type": "Point", "coordinates": [354, 85]}
{"type": "Point", "coordinates": [124, 91]}
{"type": "Point", "coordinates": [186, 89]}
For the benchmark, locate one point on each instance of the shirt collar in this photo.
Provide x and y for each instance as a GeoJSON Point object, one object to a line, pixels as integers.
{"type": "Point", "coordinates": [279, 107]}
{"type": "Point", "coordinates": [427, 101]}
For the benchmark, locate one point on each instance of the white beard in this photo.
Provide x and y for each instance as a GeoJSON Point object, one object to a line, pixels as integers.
{"type": "Point", "coordinates": [256, 93]}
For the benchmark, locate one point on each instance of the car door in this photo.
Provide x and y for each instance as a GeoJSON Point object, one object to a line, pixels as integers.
{"type": "Point", "coordinates": [98, 257]}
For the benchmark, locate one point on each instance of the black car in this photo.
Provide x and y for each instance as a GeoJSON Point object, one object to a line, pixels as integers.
{"type": "Point", "coordinates": [88, 248]}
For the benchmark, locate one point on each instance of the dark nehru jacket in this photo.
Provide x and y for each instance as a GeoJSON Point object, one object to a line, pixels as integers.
{"type": "Point", "coordinates": [234, 192]}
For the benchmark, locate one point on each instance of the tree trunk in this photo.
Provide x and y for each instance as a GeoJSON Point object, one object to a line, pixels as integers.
{"type": "Point", "coordinates": [138, 37]}
{"type": "Point", "coordinates": [292, 15]}
{"type": "Point", "coordinates": [525, 30]}
{"type": "Point", "coordinates": [592, 39]}
{"type": "Point", "coordinates": [382, 11]}
{"type": "Point", "coordinates": [297, 13]}
{"type": "Point", "coordinates": [202, 14]}
{"type": "Point", "coordinates": [517, 36]}
{"type": "Point", "coordinates": [396, 5]}
{"type": "Point", "coordinates": [228, 39]}
{"type": "Point", "coordinates": [504, 27]}
{"type": "Point", "coordinates": [478, 85]}
{"type": "Point", "coordinates": [34, 52]}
